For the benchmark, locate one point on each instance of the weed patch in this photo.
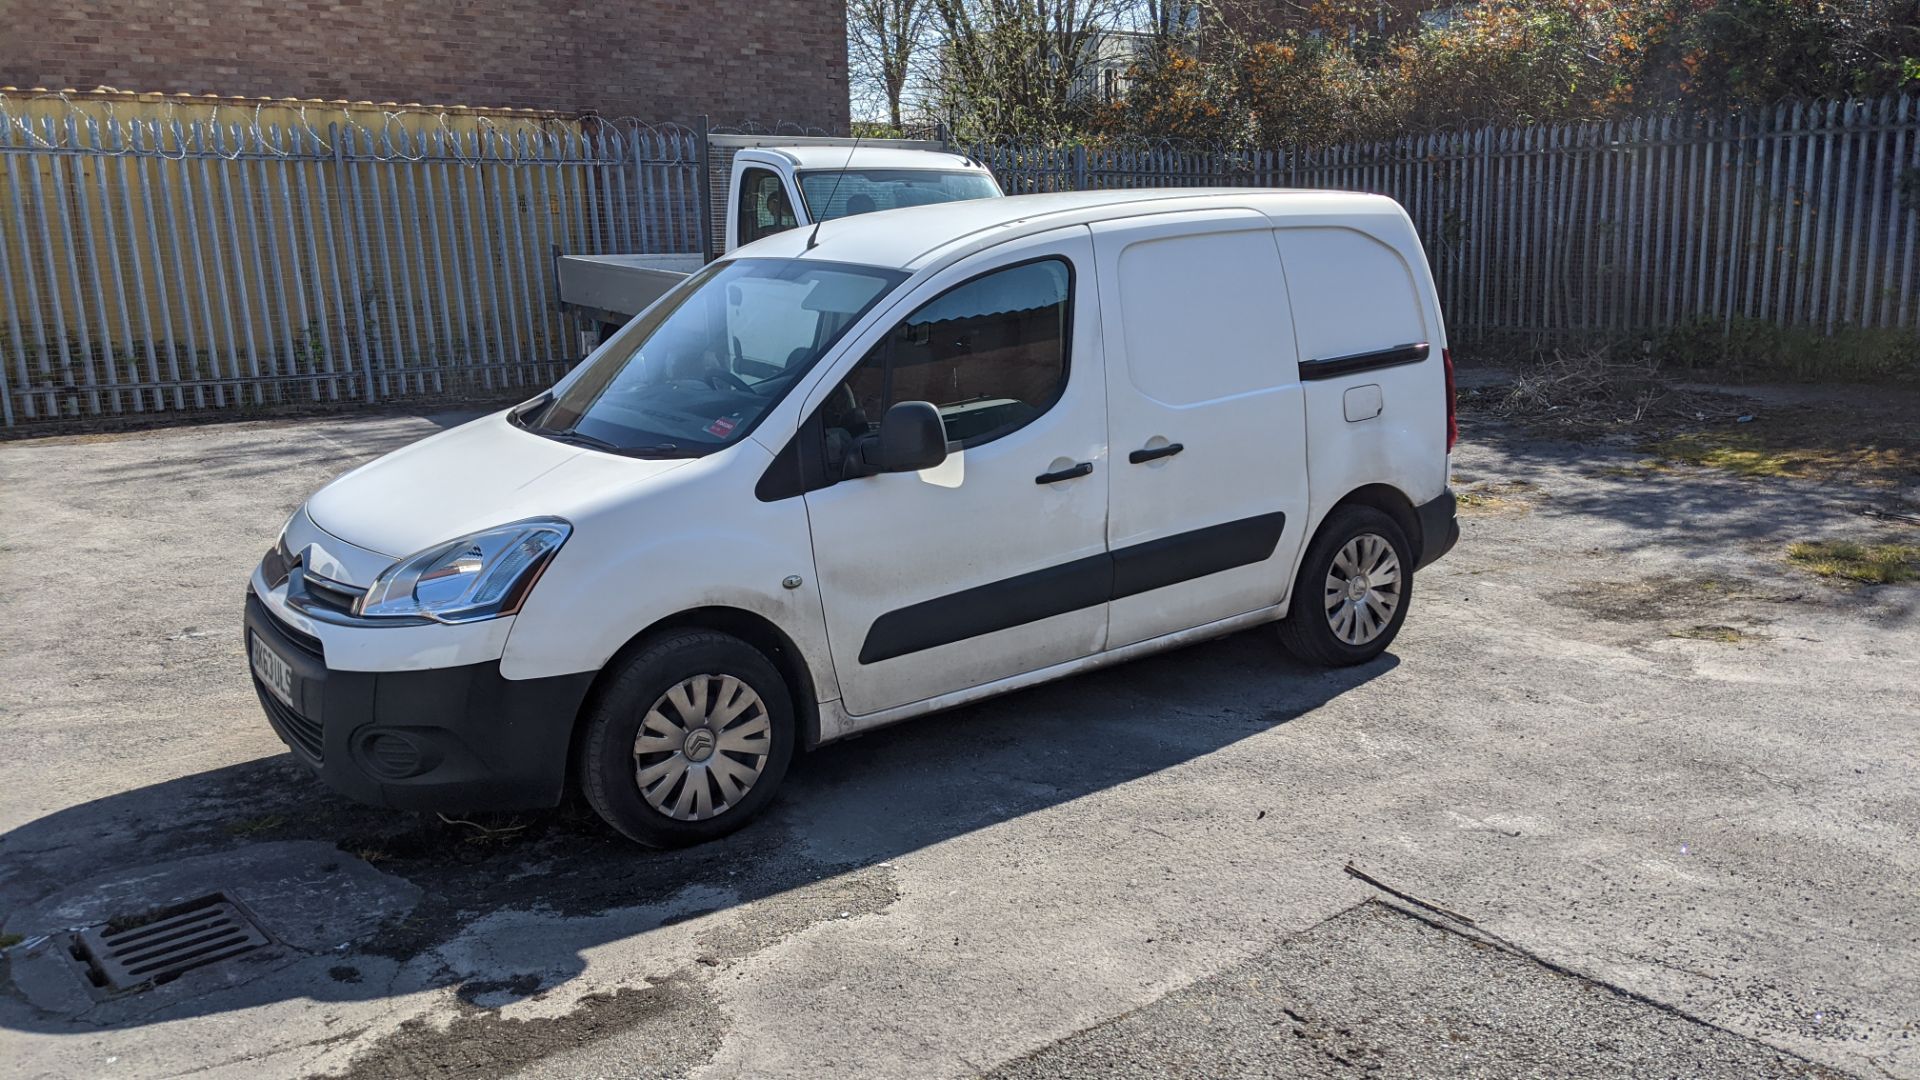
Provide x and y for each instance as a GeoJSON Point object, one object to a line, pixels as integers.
{"type": "Point", "coordinates": [1797, 448]}
{"type": "Point", "coordinates": [1497, 496]}
{"type": "Point", "coordinates": [1755, 348]}
{"type": "Point", "coordinates": [1869, 564]}
{"type": "Point", "coordinates": [1639, 470]}
{"type": "Point", "coordinates": [256, 826]}
{"type": "Point", "coordinates": [1728, 634]}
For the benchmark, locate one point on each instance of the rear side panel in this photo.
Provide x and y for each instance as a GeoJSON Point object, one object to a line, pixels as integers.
{"type": "Point", "coordinates": [1370, 341]}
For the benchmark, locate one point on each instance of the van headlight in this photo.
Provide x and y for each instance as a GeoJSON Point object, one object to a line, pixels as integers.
{"type": "Point", "coordinates": [481, 575]}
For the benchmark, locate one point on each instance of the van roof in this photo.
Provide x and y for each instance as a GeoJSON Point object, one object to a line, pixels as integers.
{"type": "Point", "coordinates": [867, 157]}
{"type": "Point", "coordinates": [910, 237]}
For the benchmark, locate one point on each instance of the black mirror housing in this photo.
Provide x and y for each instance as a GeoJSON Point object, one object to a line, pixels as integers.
{"type": "Point", "coordinates": [912, 437]}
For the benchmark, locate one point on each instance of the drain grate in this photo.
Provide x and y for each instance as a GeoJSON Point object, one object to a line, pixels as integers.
{"type": "Point", "coordinates": [160, 946]}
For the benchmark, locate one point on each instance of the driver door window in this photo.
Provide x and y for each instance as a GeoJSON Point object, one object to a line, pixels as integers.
{"type": "Point", "coordinates": [764, 208]}
{"type": "Point", "coordinates": [990, 354]}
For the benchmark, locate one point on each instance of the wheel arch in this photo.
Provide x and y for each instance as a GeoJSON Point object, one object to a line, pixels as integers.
{"type": "Point", "coordinates": [754, 629]}
{"type": "Point", "coordinates": [1390, 501]}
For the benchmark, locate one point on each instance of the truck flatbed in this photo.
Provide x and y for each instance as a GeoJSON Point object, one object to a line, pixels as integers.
{"type": "Point", "coordinates": [615, 288]}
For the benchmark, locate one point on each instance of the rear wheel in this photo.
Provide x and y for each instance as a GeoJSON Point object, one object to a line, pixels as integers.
{"type": "Point", "coordinates": [687, 740]}
{"type": "Point", "coordinates": [1353, 590]}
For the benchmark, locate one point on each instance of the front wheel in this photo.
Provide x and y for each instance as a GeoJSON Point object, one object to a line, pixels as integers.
{"type": "Point", "coordinates": [687, 740]}
{"type": "Point", "coordinates": [1353, 590]}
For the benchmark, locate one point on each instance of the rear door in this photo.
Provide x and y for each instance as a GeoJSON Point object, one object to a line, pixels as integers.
{"type": "Point", "coordinates": [1373, 377]}
{"type": "Point", "coordinates": [1208, 487]}
{"type": "Point", "coordinates": [993, 563]}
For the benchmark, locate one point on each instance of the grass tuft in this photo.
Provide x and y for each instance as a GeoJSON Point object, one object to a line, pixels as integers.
{"type": "Point", "coordinates": [1639, 470]}
{"type": "Point", "coordinates": [256, 826]}
{"type": "Point", "coordinates": [1871, 564]}
{"type": "Point", "coordinates": [1728, 634]}
{"type": "Point", "coordinates": [1492, 496]}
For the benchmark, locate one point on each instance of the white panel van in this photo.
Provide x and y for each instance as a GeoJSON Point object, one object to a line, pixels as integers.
{"type": "Point", "coordinates": [997, 442]}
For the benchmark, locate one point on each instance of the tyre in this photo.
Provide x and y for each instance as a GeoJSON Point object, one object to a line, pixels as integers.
{"type": "Point", "coordinates": [687, 740]}
{"type": "Point", "coordinates": [1353, 589]}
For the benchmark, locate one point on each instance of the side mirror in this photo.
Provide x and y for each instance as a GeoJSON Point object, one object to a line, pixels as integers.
{"type": "Point", "coordinates": [912, 437]}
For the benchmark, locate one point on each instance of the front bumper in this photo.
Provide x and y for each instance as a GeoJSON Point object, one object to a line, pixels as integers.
{"type": "Point", "coordinates": [450, 738]}
{"type": "Point", "coordinates": [1439, 528]}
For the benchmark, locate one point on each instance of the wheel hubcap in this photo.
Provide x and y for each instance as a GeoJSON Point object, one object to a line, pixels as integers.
{"type": "Point", "coordinates": [701, 747]}
{"type": "Point", "coordinates": [1363, 589]}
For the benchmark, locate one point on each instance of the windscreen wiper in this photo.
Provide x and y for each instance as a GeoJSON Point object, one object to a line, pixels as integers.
{"type": "Point", "coordinates": [579, 438]}
{"type": "Point", "coordinates": [660, 450]}
{"type": "Point", "coordinates": [594, 442]}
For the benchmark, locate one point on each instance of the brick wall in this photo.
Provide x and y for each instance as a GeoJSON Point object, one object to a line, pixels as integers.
{"type": "Point", "coordinates": [736, 60]}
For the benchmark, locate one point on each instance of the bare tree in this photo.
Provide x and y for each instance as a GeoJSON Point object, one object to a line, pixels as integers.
{"type": "Point", "coordinates": [1019, 66]}
{"type": "Point", "coordinates": [885, 42]}
{"type": "Point", "coordinates": [1169, 20]}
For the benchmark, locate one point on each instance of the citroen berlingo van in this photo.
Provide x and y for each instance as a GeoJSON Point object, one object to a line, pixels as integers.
{"type": "Point", "coordinates": [855, 473]}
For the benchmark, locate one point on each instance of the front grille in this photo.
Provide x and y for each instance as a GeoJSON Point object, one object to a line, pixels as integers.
{"type": "Point", "coordinates": [299, 639]}
{"type": "Point", "coordinates": [333, 595]}
{"type": "Point", "coordinates": [298, 730]}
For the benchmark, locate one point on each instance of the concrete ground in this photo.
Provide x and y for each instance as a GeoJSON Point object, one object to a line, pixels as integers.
{"type": "Point", "coordinates": [1569, 825]}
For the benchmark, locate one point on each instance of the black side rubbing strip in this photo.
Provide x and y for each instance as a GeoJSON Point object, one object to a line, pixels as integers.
{"type": "Point", "coordinates": [984, 609]}
{"type": "Point", "coordinates": [1184, 556]}
{"type": "Point", "coordinates": [1334, 366]}
{"type": "Point", "coordinates": [1082, 583]}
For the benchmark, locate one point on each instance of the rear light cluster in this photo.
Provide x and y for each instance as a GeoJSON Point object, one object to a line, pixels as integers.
{"type": "Point", "coordinates": [1453, 417]}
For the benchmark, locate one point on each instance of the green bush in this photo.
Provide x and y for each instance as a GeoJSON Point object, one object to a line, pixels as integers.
{"type": "Point", "coordinates": [1517, 61]}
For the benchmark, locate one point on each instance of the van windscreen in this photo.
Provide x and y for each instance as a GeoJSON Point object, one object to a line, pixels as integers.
{"type": "Point", "coordinates": [698, 369]}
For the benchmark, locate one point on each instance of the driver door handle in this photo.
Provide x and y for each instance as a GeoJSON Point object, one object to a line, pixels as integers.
{"type": "Point", "coordinates": [1071, 472]}
{"type": "Point", "coordinates": [1155, 453]}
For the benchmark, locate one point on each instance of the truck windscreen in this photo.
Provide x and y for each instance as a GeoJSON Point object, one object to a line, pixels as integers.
{"type": "Point", "coordinates": [833, 194]}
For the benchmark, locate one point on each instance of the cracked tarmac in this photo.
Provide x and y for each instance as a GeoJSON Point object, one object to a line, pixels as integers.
{"type": "Point", "coordinates": [1712, 842]}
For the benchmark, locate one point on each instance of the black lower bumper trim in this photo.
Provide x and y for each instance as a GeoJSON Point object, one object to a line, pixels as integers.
{"type": "Point", "coordinates": [459, 738]}
{"type": "Point", "coordinates": [1439, 528]}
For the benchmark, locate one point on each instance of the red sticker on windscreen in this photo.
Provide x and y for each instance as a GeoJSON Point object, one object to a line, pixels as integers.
{"type": "Point", "coordinates": [722, 427]}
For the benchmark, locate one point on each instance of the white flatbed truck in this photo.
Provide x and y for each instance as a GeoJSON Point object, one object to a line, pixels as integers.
{"type": "Point", "coordinates": [775, 183]}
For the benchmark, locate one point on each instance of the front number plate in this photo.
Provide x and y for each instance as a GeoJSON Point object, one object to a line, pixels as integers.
{"type": "Point", "coordinates": [274, 672]}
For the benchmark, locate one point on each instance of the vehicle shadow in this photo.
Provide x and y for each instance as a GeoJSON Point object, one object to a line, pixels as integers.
{"type": "Point", "coordinates": [538, 890]}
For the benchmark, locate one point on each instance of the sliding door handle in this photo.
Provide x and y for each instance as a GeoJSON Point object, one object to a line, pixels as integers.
{"type": "Point", "coordinates": [1156, 453]}
{"type": "Point", "coordinates": [1071, 472]}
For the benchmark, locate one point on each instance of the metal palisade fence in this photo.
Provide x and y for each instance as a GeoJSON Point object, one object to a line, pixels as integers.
{"type": "Point", "coordinates": [181, 258]}
{"type": "Point", "coordinates": [1807, 214]}
{"type": "Point", "coordinates": [159, 257]}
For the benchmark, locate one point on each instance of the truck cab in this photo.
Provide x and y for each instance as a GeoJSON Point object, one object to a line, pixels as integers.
{"type": "Point", "coordinates": [776, 188]}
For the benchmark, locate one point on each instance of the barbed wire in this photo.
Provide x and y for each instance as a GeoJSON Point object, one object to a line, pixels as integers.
{"type": "Point", "coordinates": [1814, 114]}
{"type": "Point", "coordinates": [293, 127]}
{"type": "Point", "coordinates": [119, 123]}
